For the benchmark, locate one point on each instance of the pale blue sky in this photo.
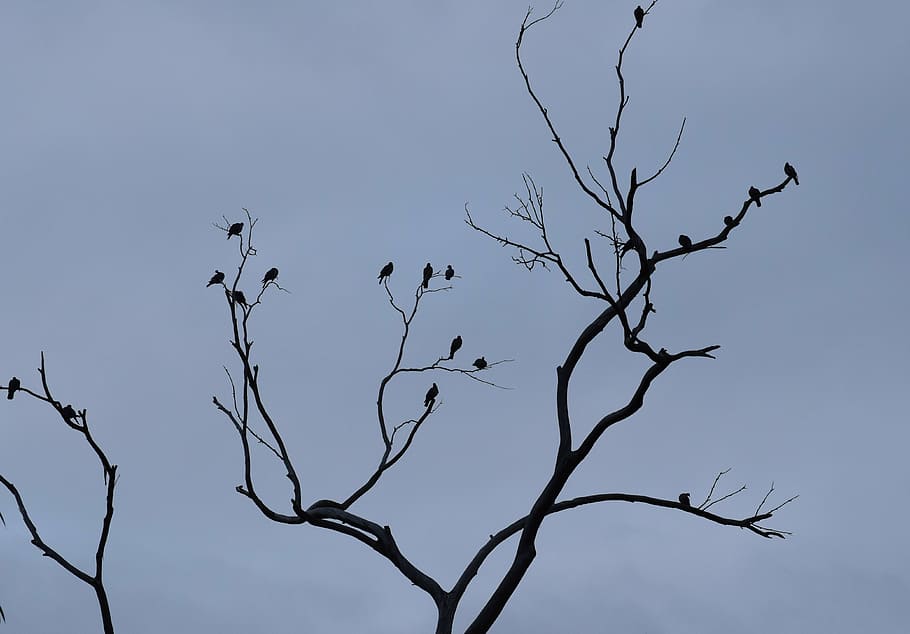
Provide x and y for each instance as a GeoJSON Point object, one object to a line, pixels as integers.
{"type": "Point", "coordinates": [357, 132]}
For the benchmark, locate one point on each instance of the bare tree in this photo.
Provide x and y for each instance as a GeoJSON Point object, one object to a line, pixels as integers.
{"type": "Point", "coordinates": [77, 420]}
{"type": "Point", "coordinates": [627, 305]}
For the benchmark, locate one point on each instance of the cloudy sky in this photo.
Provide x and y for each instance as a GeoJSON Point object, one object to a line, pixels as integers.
{"type": "Point", "coordinates": [357, 132]}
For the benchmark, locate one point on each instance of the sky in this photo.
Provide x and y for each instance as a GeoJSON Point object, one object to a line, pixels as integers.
{"type": "Point", "coordinates": [357, 132]}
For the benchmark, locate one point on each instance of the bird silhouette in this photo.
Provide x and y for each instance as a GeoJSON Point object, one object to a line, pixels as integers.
{"type": "Point", "coordinates": [217, 278]}
{"type": "Point", "coordinates": [427, 274]}
{"type": "Point", "coordinates": [790, 171]}
{"type": "Point", "coordinates": [450, 272]}
{"type": "Point", "coordinates": [480, 363]}
{"type": "Point", "coordinates": [728, 221]}
{"type": "Point", "coordinates": [684, 500]}
{"type": "Point", "coordinates": [456, 344]}
{"type": "Point", "coordinates": [639, 16]}
{"type": "Point", "coordinates": [755, 195]}
{"type": "Point", "coordinates": [68, 413]}
{"type": "Point", "coordinates": [14, 385]}
{"type": "Point", "coordinates": [270, 276]}
{"type": "Point", "coordinates": [432, 393]}
{"type": "Point", "coordinates": [685, 241]}
{"type": "Point", "coordinates": [235, 229]}
{"type": "Point", "coordinates": [386, 272]}
{"type": "Point", "coordinates": [239, 297]}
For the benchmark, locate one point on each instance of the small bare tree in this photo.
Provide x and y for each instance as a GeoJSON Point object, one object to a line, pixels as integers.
{"type": "Point", "coordinates": [77, 420]}
{"type": "Point", "coordinates": [626, 303]}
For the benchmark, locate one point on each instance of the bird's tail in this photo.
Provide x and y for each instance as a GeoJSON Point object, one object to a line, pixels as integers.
{"type": "Point", "coordinates": [9, 394]}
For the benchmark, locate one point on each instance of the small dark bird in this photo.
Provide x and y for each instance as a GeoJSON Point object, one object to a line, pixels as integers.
{"type": "Point", "coordinates": [432, 393]}
{"type": "Point", "coordinates": [386, 272]}
{"type": "Point", "coordinates": [456, 344]}
{"type": "Point", "coordinates": [239, 297]}
{"type": "Point", "coordinates": [684, 500]}
{"type": "Point", "coordinates": [235, 229]}
{"type": "Point", "coordinates": [68, 413]}
{"type": "Point", "coordinates": [480, 363]}
{"type": "Point", "coordinates": [639, 16]}
{"type": "Point", "coordinates": [450, 272]}
{"type": "Point", "coordinates": [14, 385]}
{"type": "Point", "coordinates": [685, 241]}
{"type": "Point", "coordinates": [755, 195]}
{"type": "Point", "coordinates": [728, 221]}
{"type": "Point", "coordinates": [270, 276]}
{"type": "Point", "coordinates": [790, 171]}
{"type": "Point", "coordinates": [427, 274]}
{"type": "Point", "coordinates": [217, 278]}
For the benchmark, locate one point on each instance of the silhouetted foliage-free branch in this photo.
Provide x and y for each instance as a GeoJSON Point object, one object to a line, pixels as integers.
{"type": "Point", "coordinates": [76, 420]}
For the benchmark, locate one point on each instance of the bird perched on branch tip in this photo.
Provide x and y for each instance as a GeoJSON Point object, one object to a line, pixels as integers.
{"type": "Point", "coordinates": [480, 363]}
{"type": "Point", "coordinates": [386, 272]}
{"type": "Point", "coordinates": [432, 393]}
{"type": "Point", "coordinates": [270, 276]}
{"type": "Point", "coordinates": [14, 385]}
{"type": "Point", "coordinates": [755, 196]}
{"type": "Point", "coordinates": [790, 171]}
{"type": "Point", "coordinates": [235, 229]}
{"type": "Point", "coordinates": [217, 278]}
{"type": "Point", "coordinates": [639, 16]}
{"type": "Point", "coordinates": [427, 274]}
{"type": "Point", "coordinates": [456, 344]}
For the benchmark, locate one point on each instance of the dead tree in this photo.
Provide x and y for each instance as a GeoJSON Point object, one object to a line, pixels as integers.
{"type": "Point", "coordinates": [77, 420]}
{"type": "Point", "coordinates": [626, 305]}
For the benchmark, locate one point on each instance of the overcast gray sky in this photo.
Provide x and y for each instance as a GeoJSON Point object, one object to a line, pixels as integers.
{"type": "Point", "coordinates": [357, 132]}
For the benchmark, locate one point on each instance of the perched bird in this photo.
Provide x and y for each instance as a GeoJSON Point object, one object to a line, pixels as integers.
{"type": "Point", "coordinates": [755, 195]}
{"type": "Point", "coordinates": [386, 272]}
{"type": "Point", "coordinates": [217, 278]}
{"type": "Point", "coordinates": [639, 16]}
{"type": "Point", "coordinates": [68, 413]}
{"type": "Point", "coordinates": [790, 171]}
{"type": "Point", "coordinates": [14, 385]}
{"type": "Point", "coordinates": [239, 297]}
{"type": "Point", "coordinates": [270, 276]}
{"type": "Point", "coordinates": [685, 241]}
{"type": "Point", "coordinates": [456, 344]}
{"type": "Point", "coordinates": [450, 272]}
{"type": "Point", "coordinates": [728, 221]}
{"type": "Point", "coordinates": [432, 393]}
{"type": "Point", "coordinates": [427, 274]}
{"type": "Point", "coordinates": [684, 500]}
{"type": "Point", "coordinates": [480, 363]}
{"type": "Point", "coordinates": [235, 229]}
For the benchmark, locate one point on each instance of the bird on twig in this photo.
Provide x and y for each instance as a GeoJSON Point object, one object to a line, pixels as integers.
{"type": "Point", "coordinates": [755, 195]}
{"type": "Point", "coordinates": [14, 385]}
{"type": "Point", "coordinates": [456, 344]}
{"type": "Point", "coordinates": [427, 274]}
{"type": "Point", "coordinates": [790, 171]}
{"type": "Point", "coordinates": [684, 500]}
{"type": "Point", "coordinates": [217, 278]}
{"type": "Point", "coordinates": [450, 272]}
{"type": "Point", "coordinates": [235, 229]}
{"type": "Point", "coordinates": [430, 398]}
{"type": "Point", "coordinates": [728, 221]}
{"type": "Point", "coordinates": [68, 413]}
{"type": "Point", "coordinates": [270, 276]}
{"type": "Point", "coordinates": [386, 272]}
{"type": "Point", "coordinates": [480, 363]}
{"type": "Point", "coordinates": [639, 16]}
{"type": "Point", "coordinates": [685, 241]}
{"type": "Point", "coordinates": [239, 297]}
